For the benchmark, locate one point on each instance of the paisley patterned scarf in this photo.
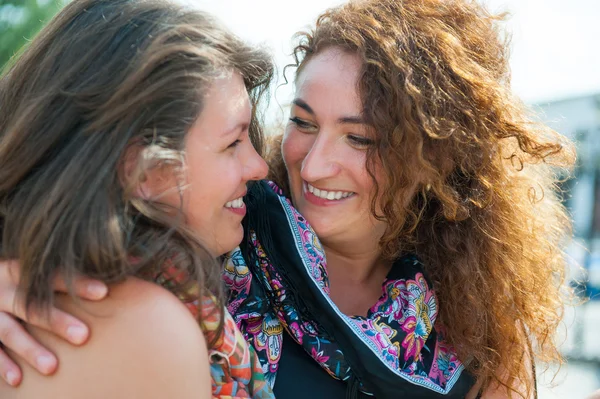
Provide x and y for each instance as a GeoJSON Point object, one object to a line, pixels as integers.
{"type": "Point", "coordinates": [278, 280]}
{"type": "Point", "coordinates": [234, 367]}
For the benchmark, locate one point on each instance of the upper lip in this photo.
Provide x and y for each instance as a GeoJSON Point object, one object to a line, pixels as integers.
{"type": "Point", "coordinates": [326, 189]}
{"type": "Point", "coordinates": [242, 194]}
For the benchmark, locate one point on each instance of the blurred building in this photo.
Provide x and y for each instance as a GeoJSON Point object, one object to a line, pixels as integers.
{"type": "Point", "coordinates": [579, 119]}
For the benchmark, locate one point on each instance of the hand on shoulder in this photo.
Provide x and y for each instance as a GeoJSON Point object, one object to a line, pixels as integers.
{"type": "Point", "coordinates": [144, 344]}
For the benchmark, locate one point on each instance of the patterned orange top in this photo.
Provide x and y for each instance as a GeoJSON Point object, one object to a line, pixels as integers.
{"type": "Point", "coordinates": [234, 366]}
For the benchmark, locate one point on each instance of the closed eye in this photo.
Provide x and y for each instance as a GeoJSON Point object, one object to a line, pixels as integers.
{"type": "Point", "coordinates": [234, 144]}
{"type": "Point", "coordinates": [301, 124]}
{"type": "Point", "coordinates": [360, 141]}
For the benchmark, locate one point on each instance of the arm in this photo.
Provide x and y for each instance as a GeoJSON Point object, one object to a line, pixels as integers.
{"type": "Point", "coordinates": [16, 338]}
{"type": "Point", "coordinates": [145, 344]}
{"type": "Point", "coordinates": [497, 391]}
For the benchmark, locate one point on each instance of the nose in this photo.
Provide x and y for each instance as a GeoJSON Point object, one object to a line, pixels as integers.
{"type": "Point", "coordinates": [255, 168]}
{"type": "Point", "coordinates": [320, 161]}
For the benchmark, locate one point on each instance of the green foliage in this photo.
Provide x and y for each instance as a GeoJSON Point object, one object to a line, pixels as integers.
{"type": "Point", "coordinates": [20, 21]}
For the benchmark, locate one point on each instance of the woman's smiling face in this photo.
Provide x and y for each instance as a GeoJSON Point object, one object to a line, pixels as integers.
{"type": "Point", "coordinates": [219, 161]}
{"type": "Point", "coordinates": [325, 150]}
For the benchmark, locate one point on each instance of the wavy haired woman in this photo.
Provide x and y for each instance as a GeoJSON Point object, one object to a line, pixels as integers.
{"type": "Point", "coordinates": [411, 244]}
{"type": "Point", "coordinates": [125, 149]}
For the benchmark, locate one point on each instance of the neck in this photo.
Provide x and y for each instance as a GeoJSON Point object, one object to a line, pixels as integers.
{"type": "Point", "coordinates": [355, 277]}
{"type": "Point", "coordinates": [357, 266]}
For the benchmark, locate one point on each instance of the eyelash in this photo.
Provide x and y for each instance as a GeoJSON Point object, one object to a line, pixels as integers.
{"type": "Point", "coordinates": [300, 123]}
{"type": "Point", "coordinates": [361, 141]}
{"type": "Point", "coordinates": [358, 141]}
{"type": "Point", "coordinates": [234, 144]}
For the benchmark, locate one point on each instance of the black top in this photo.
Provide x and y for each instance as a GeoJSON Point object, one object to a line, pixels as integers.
{"type": "Point", "coordinates": [300, 377]}
{"type": "Point", "coordinates": [268, 223]}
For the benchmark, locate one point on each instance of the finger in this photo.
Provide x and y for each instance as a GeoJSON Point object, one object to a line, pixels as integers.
{"type": "Point", "coordinates": [83, 287]}
{"type": "Point", "coordinates": [55, 320]}
{"type": "Point", "coordinates": [60, 323]}
{"type": "Point", "coordinates": [86, 288]}
{"type": "Point", "coordinates": [14, 337]}
{"type": "Point", "coordinates": [10, 372]}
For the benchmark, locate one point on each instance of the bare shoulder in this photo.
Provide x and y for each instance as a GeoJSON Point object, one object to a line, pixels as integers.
{"type": "Point", "coordinates": [144, 344]}
{"type": "Point", "coordinates": [594, 395]}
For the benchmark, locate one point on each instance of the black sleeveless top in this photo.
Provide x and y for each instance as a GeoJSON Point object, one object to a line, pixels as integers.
{"type": "Point", "coordinates": [300, 377]}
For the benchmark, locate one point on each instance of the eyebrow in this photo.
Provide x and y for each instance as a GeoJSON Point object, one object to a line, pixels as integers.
{"type": "Point", "coordinates": [354, 120]}
{"type": "Point", "coordinates": [300, 103]}
{"type": "Point", "coordinates": [240, 126]}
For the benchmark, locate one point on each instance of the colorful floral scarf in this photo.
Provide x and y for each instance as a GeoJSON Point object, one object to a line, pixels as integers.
{"type": "Point", "coordinates": [278, 280]}
{"type": "Point", "coordinates": [234, 366]}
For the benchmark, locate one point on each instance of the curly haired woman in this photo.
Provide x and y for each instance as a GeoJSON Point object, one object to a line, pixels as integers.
{"type": "Point", "coordinates": [455, 176]}
{"type": "Point", "coordinates": [411, 243]}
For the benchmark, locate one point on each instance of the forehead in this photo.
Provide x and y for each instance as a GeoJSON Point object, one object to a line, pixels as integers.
{"type": "Point", "coordinates": [226, 109]}
{"type": "Point", "coordinates": [226, 105]}
{"type": "Point", "coordinates": [331, 76]}
{"type": "Point", "coordinates": [227, 97]}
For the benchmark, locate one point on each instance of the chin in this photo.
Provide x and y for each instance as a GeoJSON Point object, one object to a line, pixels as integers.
{"type": "Point", "coordinates": [322, 219]}
{"type": "Point", "coordinates": [321, 228]}
{"type": "Point", "coordinates": [233, 240]}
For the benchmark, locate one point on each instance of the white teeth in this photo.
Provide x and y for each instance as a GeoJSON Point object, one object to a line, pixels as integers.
{"type": "Point", "coordinates": [236, 203]}
{"type": "Point", "coordinates": [328, 195]}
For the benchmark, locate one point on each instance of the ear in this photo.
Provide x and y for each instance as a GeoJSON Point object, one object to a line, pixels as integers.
{"type": "Point", "coordinates": [145, 176]}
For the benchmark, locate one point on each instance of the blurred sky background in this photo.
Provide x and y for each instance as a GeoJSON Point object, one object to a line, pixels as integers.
{"type": "Point", "coordinates": [555, 62]}
{"type": "Point", "coordinates": [553, 52]}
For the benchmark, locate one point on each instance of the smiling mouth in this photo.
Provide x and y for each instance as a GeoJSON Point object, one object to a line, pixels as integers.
{"type": "Point", "coordinates": [236, 203]}
{"type": "Point", "coordinates": [237, 206]}
{"type": "Point", "coordinates": [329, 195]}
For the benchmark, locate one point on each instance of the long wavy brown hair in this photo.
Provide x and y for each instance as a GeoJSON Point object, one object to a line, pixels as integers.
{"type": "Point", "coordinates": [101, 77]}
{"type": "Point", "coordinates": [486, 218]}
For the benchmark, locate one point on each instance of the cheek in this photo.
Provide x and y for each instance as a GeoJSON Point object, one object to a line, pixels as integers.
{"type": "Point", "coordinates": [355, 161]}
{"type": "Point", "coordinates": [364, 179]}
{"type": "Point", "coordinates": [287, 148]}
{"type": "Point", "coordinates": [209, 187]}
{"type": "Point", "coordinates": [226, 180]}
{"type": "Point", "coordinates": [294, 147]}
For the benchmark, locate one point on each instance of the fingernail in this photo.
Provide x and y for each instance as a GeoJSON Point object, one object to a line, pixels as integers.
{"type": "Point", "coordinates": [77, 334]}
{"type": "Point", "coordinates": [11, 378]}
{"type": "Point", "coordinates": [45, 363]}
{"type": "Point", "coordinates": [97, 290]}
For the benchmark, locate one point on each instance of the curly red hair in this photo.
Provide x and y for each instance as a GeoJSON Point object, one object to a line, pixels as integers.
{"type": "Point", "coordinates": [485, 218]}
